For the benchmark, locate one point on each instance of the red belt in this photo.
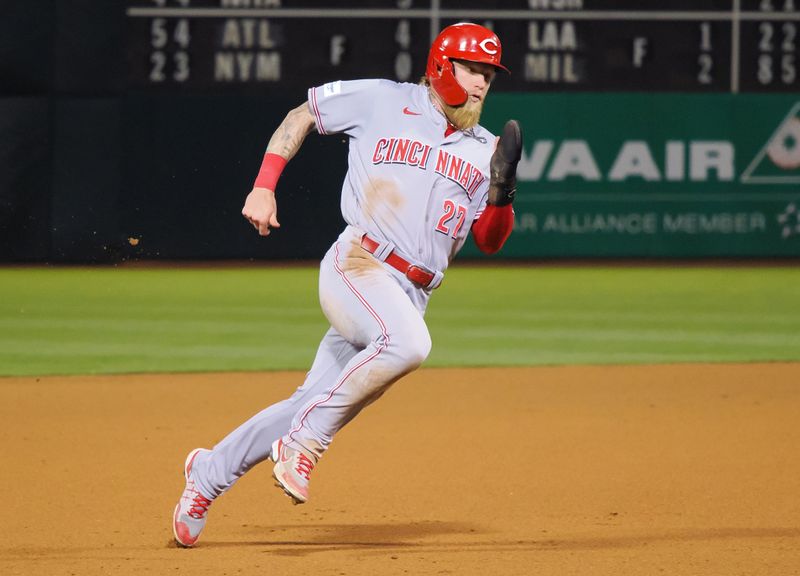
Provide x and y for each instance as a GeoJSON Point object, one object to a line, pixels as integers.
{"type": "Point", "coordinates": [417, 274]}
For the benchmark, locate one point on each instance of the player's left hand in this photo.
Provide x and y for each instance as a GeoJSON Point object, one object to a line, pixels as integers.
{"type": "Point", "coordinates": [503, 165]}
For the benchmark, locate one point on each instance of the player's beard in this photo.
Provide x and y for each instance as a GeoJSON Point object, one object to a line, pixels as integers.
{"type": "Point", "coordinates": [465, 116]}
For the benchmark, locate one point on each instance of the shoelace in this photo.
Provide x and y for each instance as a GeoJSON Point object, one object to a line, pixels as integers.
{"type": "Point", "coordinates": [304, 465]}
{"type": "Point", "coordinates": [200, 507]}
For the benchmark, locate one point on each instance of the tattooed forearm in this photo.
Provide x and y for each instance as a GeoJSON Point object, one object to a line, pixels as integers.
{"type": "Point", "coordinates": [290, 134]}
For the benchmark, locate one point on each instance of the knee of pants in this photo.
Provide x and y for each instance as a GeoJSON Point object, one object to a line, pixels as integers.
{"type": "Point", "coordinates": [411, 347]}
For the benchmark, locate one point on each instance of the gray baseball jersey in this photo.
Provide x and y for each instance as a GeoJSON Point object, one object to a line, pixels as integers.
{"type": "Point", "coordinates": [406, 182]}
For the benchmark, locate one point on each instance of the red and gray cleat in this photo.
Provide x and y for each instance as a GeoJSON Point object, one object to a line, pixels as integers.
{"type": "Point", "coordinates": [192, 509]}
{"type": "Point", "coordinates": [292, 469]}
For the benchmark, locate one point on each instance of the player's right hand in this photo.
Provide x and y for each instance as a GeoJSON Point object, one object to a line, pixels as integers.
{"type": "Point", "coordinates": [261, 210]}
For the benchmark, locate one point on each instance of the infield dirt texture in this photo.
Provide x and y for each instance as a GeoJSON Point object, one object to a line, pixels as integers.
{"type": "Point", "coordinates": [678, 470]}
{"type": "Point", "coordinates": [651, 457]}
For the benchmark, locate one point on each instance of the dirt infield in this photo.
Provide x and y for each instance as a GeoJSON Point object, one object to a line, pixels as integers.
{"type": "Point", "coordinates": [685, 469]}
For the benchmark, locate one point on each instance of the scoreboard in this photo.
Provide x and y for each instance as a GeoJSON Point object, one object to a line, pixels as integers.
{"type": "Point", "coordinates": [714, 46]}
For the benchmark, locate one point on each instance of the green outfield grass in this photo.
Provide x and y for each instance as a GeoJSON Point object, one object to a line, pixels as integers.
{"type": "Point", "coordinates": [111, 320]}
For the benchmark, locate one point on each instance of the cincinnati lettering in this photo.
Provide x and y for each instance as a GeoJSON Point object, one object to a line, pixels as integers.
{"type": "Point", "coordinates": [401, 151]}
{"type": "Point", "coordinates": [459, 171]}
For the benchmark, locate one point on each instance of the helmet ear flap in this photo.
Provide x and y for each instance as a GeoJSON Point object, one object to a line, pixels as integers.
{"type": "Point", "coordinates": [446, 85]}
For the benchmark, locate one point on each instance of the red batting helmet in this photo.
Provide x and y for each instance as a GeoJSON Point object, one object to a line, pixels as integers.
{"type": "Point", "coordinates": [463, 41]}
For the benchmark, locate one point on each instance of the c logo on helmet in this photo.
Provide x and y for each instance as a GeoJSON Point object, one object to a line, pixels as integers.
{"type": "Point", "coordinates": [489, 45]}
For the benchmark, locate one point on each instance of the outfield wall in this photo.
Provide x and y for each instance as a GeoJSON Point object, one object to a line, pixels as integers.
{"type": "Point", "coordinates": [666, 175]}
{"type": "Point", "coordinates": [613, 175]}
{"type": "Point", "coordinates": [96, 168]}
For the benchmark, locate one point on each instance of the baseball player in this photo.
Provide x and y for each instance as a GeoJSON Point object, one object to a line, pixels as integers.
{"type": "Point", "coordinates": [421, 175]}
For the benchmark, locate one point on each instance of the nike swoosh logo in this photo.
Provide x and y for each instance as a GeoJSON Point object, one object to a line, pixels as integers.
{"type": "Point", "coordinates": [410, 113]}
{"type": "Point", "coordinates": [281, 453]}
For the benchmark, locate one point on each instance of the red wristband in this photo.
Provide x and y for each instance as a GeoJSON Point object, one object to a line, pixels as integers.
{"type": "Point", "coordinates": [493, 228]}
{"type": "Point", "coordinates": [271, 168]}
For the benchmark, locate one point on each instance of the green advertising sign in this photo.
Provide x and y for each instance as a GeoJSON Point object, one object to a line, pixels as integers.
{"type": "Point", "coordinates": [654, 175]}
